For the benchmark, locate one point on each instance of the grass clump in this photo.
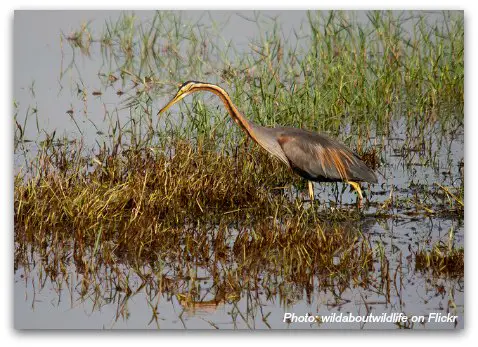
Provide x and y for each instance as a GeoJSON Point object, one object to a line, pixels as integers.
{"type": "Point", "coordinates": [135, 192]}
{"type": "Point", "coordinates": [442, 260]}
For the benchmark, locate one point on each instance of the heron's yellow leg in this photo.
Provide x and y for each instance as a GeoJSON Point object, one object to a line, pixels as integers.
{"type": "Point", "coordinates": [311, 191]}
{"type": "Point", "coordinates": [356, 186]}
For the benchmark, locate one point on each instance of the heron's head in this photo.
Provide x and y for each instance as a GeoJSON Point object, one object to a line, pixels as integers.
{"type": "Point", "coordinates": [184, 90]}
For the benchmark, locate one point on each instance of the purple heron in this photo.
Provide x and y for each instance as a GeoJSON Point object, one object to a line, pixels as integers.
{"type": "Point", "coordinates": [313, 156]}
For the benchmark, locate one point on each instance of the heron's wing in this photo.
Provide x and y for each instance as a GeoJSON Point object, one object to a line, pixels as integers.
{"type": "Point", "coordinates": [318, 157]}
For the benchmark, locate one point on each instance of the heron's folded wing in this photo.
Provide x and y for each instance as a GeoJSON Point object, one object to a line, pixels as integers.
{"type": "Point", "coordinates": [319, 157]}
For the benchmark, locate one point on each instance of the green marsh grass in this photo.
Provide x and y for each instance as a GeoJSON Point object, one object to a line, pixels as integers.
{"type": "Point", "coordinates": [345, 72]}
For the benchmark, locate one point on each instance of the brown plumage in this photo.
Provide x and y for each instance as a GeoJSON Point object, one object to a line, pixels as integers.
{"type": "Point", "coordinates": [311, 155]}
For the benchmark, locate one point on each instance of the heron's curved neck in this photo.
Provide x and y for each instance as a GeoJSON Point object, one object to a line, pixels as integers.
{"type": "Point", "coordinates": [245, 124]}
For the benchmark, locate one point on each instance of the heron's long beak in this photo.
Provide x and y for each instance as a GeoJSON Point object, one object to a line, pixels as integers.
{"type": "Point", "coordinates": [174, 100]}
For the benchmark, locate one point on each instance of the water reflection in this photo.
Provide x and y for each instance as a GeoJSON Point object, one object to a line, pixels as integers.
{"type": "Point", "coordinates": [229, 292]}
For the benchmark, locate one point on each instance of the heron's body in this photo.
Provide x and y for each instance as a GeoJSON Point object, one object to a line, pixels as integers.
{"type": "Point", "coordinates": [314, 156]}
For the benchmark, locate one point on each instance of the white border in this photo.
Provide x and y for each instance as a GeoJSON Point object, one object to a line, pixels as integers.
{"type": "Point", "coordinates": [388, 338]}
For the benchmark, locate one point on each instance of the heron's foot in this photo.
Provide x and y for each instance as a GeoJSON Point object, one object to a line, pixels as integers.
{"type": "Point", "coordinates": [357, 188]}
{"type": "Point", "coordinates": [311, 191]}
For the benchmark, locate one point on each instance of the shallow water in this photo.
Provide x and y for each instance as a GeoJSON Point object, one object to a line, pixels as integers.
{"type": "Point", "coordinates": [65, 302]}
{"type": "Point", "coordinates": [46, 297]}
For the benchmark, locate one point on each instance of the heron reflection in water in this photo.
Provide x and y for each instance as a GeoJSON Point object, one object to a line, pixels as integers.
{"type": "Point", "coordinates": [313, 156]}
